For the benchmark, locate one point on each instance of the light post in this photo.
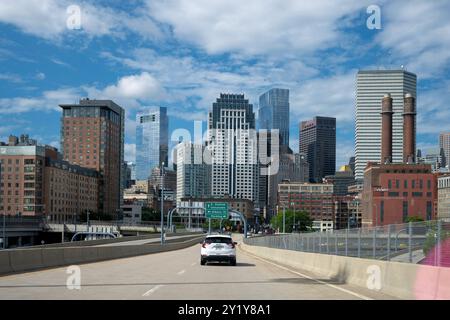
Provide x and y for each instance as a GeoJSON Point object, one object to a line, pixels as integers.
{"type": "Point", "coordinates": [284, 219]}
{"type": "Point", "coordinates": [162, 203]}
{"type": "Point", "coordinates": [376, 215]}
{"type": "Point", "coordinates": [293, 225]}
{"type": "Point", "coordinates": [4, 231]}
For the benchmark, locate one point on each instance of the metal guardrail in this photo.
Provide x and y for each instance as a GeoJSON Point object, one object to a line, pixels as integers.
{"type": "Point", "coordinates": [415, 242]}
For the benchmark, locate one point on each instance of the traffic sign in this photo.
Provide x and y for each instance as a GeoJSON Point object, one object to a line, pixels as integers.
{"type": "Point", "coordinates": [217, 210]}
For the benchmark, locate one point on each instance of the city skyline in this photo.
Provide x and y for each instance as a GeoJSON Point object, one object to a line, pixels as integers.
{"type": "Point", "coordinates": [184, 67]}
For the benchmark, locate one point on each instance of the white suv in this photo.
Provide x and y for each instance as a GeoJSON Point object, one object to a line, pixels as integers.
{"type": "Point", "coordinates": [218, 248]}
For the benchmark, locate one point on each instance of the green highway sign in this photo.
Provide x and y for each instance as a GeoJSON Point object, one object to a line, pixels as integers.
{"type": "Point", "coordinates": [217, 210]}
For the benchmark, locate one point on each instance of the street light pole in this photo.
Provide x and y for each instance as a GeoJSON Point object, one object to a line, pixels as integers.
{"type": "Point", "coordinates": [162, 203]}
{"type": "Point", "coordinates": [4, 231]}
{"type": "Point", "coordinates": [284, 219]}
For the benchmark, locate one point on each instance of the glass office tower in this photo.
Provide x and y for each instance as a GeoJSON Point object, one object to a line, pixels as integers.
{"type": "Point", "coordinates": [274, 112]}
{"type": "Point", "coordinates": [152, 140]}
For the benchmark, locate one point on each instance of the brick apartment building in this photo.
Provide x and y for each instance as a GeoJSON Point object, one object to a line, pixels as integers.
{"type": "Point", "coordinates": [34, 181]}
{"type": "Point", "coordinates": [314, 198]}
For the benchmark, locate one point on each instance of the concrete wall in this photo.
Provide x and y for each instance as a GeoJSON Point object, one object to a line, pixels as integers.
{"type": "Point", "coordinates": [107, 241]}
{"type": "Point", "coordinates": [401, 280]}
{"type": "Point", "coordinates": [23, 260]}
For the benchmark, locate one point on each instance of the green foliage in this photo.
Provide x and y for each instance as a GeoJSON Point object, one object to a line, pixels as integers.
{"type": "Point", "coordinates": [431, 238]}
{"type": "Point", "coordinates": [414, 219]}
{"type": "Point", "coordinates": [150, 214]}
{"type": "Point", "coordinates": [303, 221]}
{"type": "Point", "coordinates": [215, 224]}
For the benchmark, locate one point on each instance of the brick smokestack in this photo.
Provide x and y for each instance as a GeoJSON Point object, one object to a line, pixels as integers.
{"type": "Point", "coordinates": [386, 129]}
{"type": "Point", "coordinates": [409, 129]}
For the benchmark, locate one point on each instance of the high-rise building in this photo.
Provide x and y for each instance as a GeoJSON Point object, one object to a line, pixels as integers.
{"type": "Point", "coordinates": [92, 136]}
{"type": "Point", "coordinates": [193, 176]}
{"type": "Point", "coordinates": [233, 146]}
{"type": "Point", "coordinates": [371, 87]}
{"type": "Point", "coordinates": [152, 140]}
{"type": "Point", "coordinates": [274, 112]}
{"type": "Point", "coordinates": [433, 156]}
{"type": "Point", "coordinates": [317, 139]}
{"type": "Point", "coordinates": [444, 143]}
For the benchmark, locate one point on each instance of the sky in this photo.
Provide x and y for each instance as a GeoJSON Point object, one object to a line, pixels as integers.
{"type": "Point", "coordinates": [183, 53]}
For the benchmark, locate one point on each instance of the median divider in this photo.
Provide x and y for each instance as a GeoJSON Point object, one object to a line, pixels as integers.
{"type": "Point", "coordinates": [397, 279]}
{"type": "Point", "coordinates": [24, 260]}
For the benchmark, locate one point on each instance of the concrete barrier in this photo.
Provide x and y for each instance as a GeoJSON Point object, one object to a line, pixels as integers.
{"type": "Point", "coordinates": [25, 259]}
{"type": "Point", "coordinates": [53, 257]}
{"type": "Point", "coordinates": [397, 279]}
{"type": "Point", "coordinates": [21, 260]}
{"type": "Point", "coordinates": [108, 241]}
{"type": "Point", "coordinates": [5, 264]}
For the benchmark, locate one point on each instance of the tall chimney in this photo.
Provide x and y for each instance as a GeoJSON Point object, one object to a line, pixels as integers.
{"type": "Point", "coordinates": [409, 131]}
{"type": "Point", "coordinates": [386, 129]}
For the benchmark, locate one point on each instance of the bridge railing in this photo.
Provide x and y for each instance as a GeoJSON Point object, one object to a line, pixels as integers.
{"type": "Point", "coordinates": [415, 242]}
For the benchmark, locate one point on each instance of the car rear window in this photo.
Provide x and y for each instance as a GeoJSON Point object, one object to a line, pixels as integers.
{"type": "Point", "coordinates": [218, 240]}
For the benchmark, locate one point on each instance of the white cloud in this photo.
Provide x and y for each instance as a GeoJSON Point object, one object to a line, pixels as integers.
{"type": "Point", "coordinates": [15, 78]}
{"type": "Point", "coordinates": [142, 86]}
{"type": "Point", "coordinates": [40, 76]}
{"type": "Point", "coordinates": [332, 96]}
{"type": "Point", "coordinates": [49, 100]}
{"type": "Point", "coordinates": [48, 19]}
{"type": "Point", "coordinates": [253, 27]}
{"type": "Point", "coordinates": [130, 152]}
{"type": "Point", "coordinates": [418, 34]}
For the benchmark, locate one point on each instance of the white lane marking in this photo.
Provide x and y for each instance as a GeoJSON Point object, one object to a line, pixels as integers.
{"type": "Point", "coordinates": [152, 290]}
{"type": "Point", "coordinates": [181, 272]}
{"type": "Point", "coordinates": [310, 278]}
{"type": "Point", "coordinates": [194, 263]}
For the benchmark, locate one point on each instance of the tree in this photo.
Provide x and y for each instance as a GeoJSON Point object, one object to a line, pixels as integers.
{"type": "Point", "coordinates": [414, 219]}
{"type": "Point", "coordinates": [215, 224]}
{"type": "Point", "coordinates": [303, 221]}
{"type": "Point", "coordinates": [150, 214]}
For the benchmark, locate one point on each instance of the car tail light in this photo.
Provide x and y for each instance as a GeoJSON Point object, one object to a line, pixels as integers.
{"type": "Point", "coordinates": [231, 244]}
{"type": "Point", "coordinates": [204, 245]}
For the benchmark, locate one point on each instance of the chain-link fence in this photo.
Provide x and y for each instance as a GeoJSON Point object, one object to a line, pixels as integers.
{"type": "Point", "coordinates": [415, 242]}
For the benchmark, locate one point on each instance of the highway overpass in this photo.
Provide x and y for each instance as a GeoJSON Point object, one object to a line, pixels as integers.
{"type": "Point", "coordinates": [178, 275]}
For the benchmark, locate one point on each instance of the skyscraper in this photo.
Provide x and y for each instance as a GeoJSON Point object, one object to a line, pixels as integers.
{"type": "Point", "coordinates": [274, 112]}
{"type": "Point", "coordinates": [92, 136]}
{"type": "Point", "coordinates": [371, 86]}
{"type": "Point", "coordinates": [317, 139]}
{"type": "Point", "coordinates": [233, 147]}
{"type": "Point", "coordinates": [444, 143]}
{"type": "Point", "coordinates": [152, 140]}
{"type": "Point", "coordinates": [193, 175]}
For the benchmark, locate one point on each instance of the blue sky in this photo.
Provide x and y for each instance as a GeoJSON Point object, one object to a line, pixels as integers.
{"type": "Point", "coordinates": [183, 53]}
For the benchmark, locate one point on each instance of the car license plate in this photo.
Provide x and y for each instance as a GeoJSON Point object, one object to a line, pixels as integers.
{"type": "Point", "coordinates": [218, 246]}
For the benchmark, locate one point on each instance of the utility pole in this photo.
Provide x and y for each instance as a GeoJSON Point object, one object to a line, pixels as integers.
{"type": "Point", "coordinates": [162, 203]}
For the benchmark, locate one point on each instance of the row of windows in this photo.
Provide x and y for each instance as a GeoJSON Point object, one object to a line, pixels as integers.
{"type": "Point", "coordinates": [396, 184]}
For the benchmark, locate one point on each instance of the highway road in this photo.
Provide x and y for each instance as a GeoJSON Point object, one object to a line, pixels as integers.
{"type": "Point", "coordinates": [179, 275]}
